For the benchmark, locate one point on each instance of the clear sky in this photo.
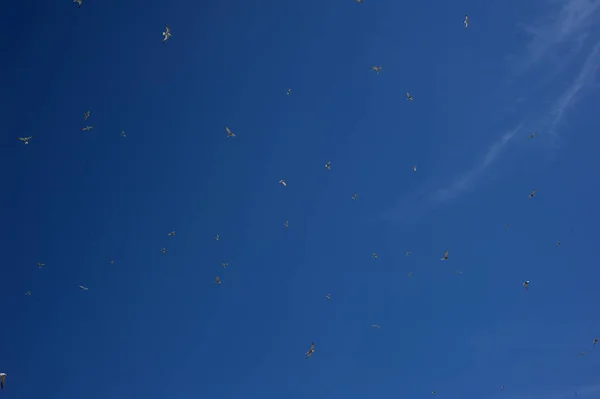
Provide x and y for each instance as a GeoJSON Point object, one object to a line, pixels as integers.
{"type": "Point", "coordinates": [156, 325]}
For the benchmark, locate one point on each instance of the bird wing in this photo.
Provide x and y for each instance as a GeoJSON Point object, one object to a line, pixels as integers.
{"type": "Point", "coordinates": [167, 29]}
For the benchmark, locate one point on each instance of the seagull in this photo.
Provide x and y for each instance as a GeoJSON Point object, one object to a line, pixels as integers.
{"type": "Point", "coordinates": [217, 237]}
{"type": "Point", "coordinates": [354, 196]}
{"type": "Point", "coordinates": [408, 253]}
{"type": "Point", "coordinates": [164, 250]}
{"type": "Point", "coordinates": [466, 21]}
{"type": "Point", "coordinates": [377, 69]}
{"type": "Point", "coordinates": [87, 128]}
{"type": "Point", "coordinates": [526, 285]}
{"type": "Point", "coordinates": [224, 264]}
{"type": "Point", "coordinates": [445, 256]}
{"type": "Point", "coordinates": [123, 133]}
{"type": "Point", "coordinates": [83, 288]}
{"type": "Point", "coordinates": [171, 234]}
{"type": "Point", "coordinates": [287, 224]}
{"type": "Point", "coordinates": [409, 274]}
{"type": "Point", "coordinates": [433, 393]}
{"type": "Point", "coordinates": [328, 165]}
{"type": "Point", "coordinates": [458, 272]}
{"type": "Point", "coordinates": [28, 293]}
{"type": "Point", "coordinates": [415, 168]}
{"type": "Point", "coordinates": [40, 265]}
{"type": "Point", "coordinates": [229, 132]}
{"type": "Point", "coordinates": [112, 262]}
{"type": "Point", "coordinates": [218, 280]}
{"type": "Point", "coordinates": [87, 115]}
{"type": "Point", "coordinates": [283, 182]}
{"type": "Point", "coordinates": [78, 3]}
{"type": "Point", "coordinates": [506, 227]}
{"type": "Point", "coordinates": [532, 135]}
{"type": "Point", "coordinates": [25, 140]}
{"type": "Point", "coordinates": [2, 380]}
{"type": "Point", "coordinates": [375, 326]}
{"type": "Point", "coordinates": [166, 33]}
{"type": "Point", "coordinates": [532, 193]}
{"type": "Point", "coordinates": [329, 297]}
{"type": "Point", "coordinates": [374, 255]}
{"type": "Point", "coordinates": [310, 351]}
{"type": "Point", "coordinates": [409, 97]}
{"type": "Point", "coordinates": [558, 243]}
{"type": "Point", "coordinates": [288, 92]}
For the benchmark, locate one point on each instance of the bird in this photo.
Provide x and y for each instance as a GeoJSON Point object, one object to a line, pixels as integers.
{"type": "Point", "coordinates": [433, 393]}
{"type": "Point", "coordinates": [40, 264]}
{"type": "Point", "coordinates": [595, 341]}
{"type": "Point", "coordinates": [532, 193]}
{"type": "Point", "coordinates": [458, 272]}
{"type": "Point", "coordinates": [374, 255]}
{"type": "Point", "coordinates": [2, 380]}
{"type": "Point", "coordinates": [310, 351]}
{"type": "Point", "coordinates": [224, 264]}
{"type": "Point", "coordinates": [25, 140]}
{"type": "Point", "coordinates": [502, 388]}
{"type": "Point", "coordinates": [328, 296]}
{"type": "Point", "coordinates": [526, 285]}
{"type": "Point", "coordinates": [445, 256]}
{"type": "Point", "coordinates": [288, 92]}
{"type": "Point", "coordinates": [171, 234]}
{"type": "Point", "coordinates": [283, 182]}
{"type": "Point", "coordinates": [112, 262]}
{"type": "Point", "coordinates": [558, 243]}
{"type": "Point", "coordinates": [466, 21]}
{"type": "Point", "coordinates": [28, 293]}
{"type": "Point", "coordinates": [377, 69]}
{"type": "Point", "coordinates": [229, 132]}
{"type": "Point", "coordinates": [87, 128]}
{"type": "Point", "coordinates": [123, 133]}
{"type": "Point", "coordinates": [354, 196]}
{"type": "Point", "coordinates": [287, 224]}
{"type": "Point", "coordinates": [164, 250]}
{"type": "Point", "coordinates": [87, 115]}
{"type": "Point", "coordinates": [532, 135]}
{"type": "Point", "coordinates": [78, 3]}
{"type": "Point", "coordinates": [414, 168]}
{"type": "Point", "coordinates": [217, 237]}
{"type": "Point", "coordinates": [328, 165]}
{"type": "Point", "coordinates": [506, 227]}
{"type": "Point", "coordinates": [83, 288]}
{"type": "Point", "coordinates": [409, 274]}
{"type": "Point", "coordinates": [409, 97]}
{"type": "Point", "coordinates": [218, 280]}
{"type": "Point", "coordinates": [375, 326]}
{"type": "Point", "coordinates": [166, 33]}
{"type": "Point", "coordinates": [407, 253]}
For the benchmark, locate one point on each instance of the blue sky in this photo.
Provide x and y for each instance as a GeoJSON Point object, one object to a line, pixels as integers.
{"type": "Point", "coordinates": [157, 325]}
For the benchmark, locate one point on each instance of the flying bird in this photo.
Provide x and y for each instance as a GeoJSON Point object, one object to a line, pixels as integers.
{"type": "Point", "coordinates": [526, 285]}
{"type": "Point", "coordinates": [229, 132]}
{"type": "Point", "coordinates": [328, 165]}
{"type": "Point", "coordinates": [375, 326]}
{"type": "Point", "coordinates": [433, 393]}
{"type": "Point", "coordinates": [532, 135]}
{"type": "Point", "coordinates": [409, 97]}
{"type": "Point", "coordinates": [466, 21]}
{"type": "Point", "coordinates": [445, 256]}
{"type": "Point", "coordinates": [377, 69]}
{"type": "Point", "coordinates": [288, 92]}
{"type": "Point", "coordinates": [558, 243]}
{"type": "Point", "coordinates": [217, 237]}
{"type": "Point", "coordinates": [123, 133]}
{"type": "Point", "coordinates": [283, 182]}
{"type": "Point", "coordinates": [409, 274]}
{"type": "Point", "coordinates": [78, 3]}
{"type": "Point", "coordinates": [2, 380]}
{"type": "Point", "coordinates": [502, 388]}
{"type": "Point", "coordinates": [310, 351]}
{"type": "Point", "coordinates": [408, 253]}
{"type": "Point", "coordinates": [506, 227]}
{"type": "Point", "coordinates": [354, 196]}
{"type": "Point", "coordinates": [87, 128]}
{"type": "Point", "coordinates": [25, 140]}
{"type": "Point", "coordinates": [224, 264]}
{"type": "Point", "coordinates": [87, 115]}
{"type": "Point", "coordinates": [595, 342]}
{"type": "Point", "coordinates": [166, 33]}
{"type": "Point", "coordinates": [83, 288]}
{"type": "Point", "coordinates": [218, 280]}
{"type": "Point", "coordinates": [328, 296]}
{"type": "Point", "coordinates": [164, 250]}
{"type": "Point", "coordinates": [532, 193]}
{"type": "Point", "coordinates": [415, 168]}
{"type": "Point", "coordinates": [374, 255]}
{"type": "Point", "coordinates": [28, 293]}
{"type": "Point", "coordinates": [112, 262]}
{"type": "Point", "coordinates": [287, 224]}
{"type": "Point", "coordinates": [40, 265]}
{"type": "Point", "coordinates": [458, 272]}
{"type": "Point", "coordinates": [171, 234]}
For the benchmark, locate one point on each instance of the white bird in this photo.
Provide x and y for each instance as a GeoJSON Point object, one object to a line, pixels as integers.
{"type": "Point", "coordinates": [408, 253]}
{"type": "Point", "coordinates": [328, 296]}
{"type": "Point", "coordinates": [40, 264]}
{"type": "Point", "coordinates": [377, 69]}
{"type": "Point", "coordinates": [78, 2]}
{"type": "Point", "coordinates": [532, 193]}
{"type": "Point", "coordinates": [354, 196]}
{"type": "Point", "coordinates": [166, 33]}
{"type": "Point", "coordinates": [123, 133]}
{"type": "Point", "coordinates": [409, 97]}
{"type": "Point", "coordinates": [87, 128]}
{"type": "Point", "coordinates": [310, 351]}
{"type": "Point", "coordinates": [171, 234]}
{"type": "Point", "coordinates": [217, 237]}
{"type": "Point", "coordinates": [83, 288]}
{"type": "Point", "coordinates": [229, 132]}
{"type": "Point", "coordinates": [374, 255]}
{"type": "Point", "coordinates": [87, 115]}
{"type": "Point", "coordinates": [25, 140]}
{"type": "Point", "coordinates": [526, 285]}
{"type": "Point", "coordinates": [466, 21]}
{"type": "Point", "coordinates": [375, 326]}
{"type": "Point", "coordinates": [283, 182]}
{"type": "Point", "coordinates": [445, 256]}
{"type": "Point", "coordinates": [224, 264]}
{"type": "Point", "coordinates": [164, 250]}
{"type": "Point", "coordinates": [2, 380]}
{"type": "Point", "coordinates": [28, 293]}
{"type": "Point", "coordinates": [218, 280]}
{"type": "Point", "coordinates": [328, 165]}
{"type": "Point", "coordinates": [287, 223]}
{"type": "Point", "coordinates": [288, 92]}
{"type": "Point", "coordinates": [112, 262]}
{"type": "Point", "coordinates": [415, 168]}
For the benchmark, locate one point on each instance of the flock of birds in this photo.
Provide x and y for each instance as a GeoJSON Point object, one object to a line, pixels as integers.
{"type": "Point", "coordinates": [230, 134]}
